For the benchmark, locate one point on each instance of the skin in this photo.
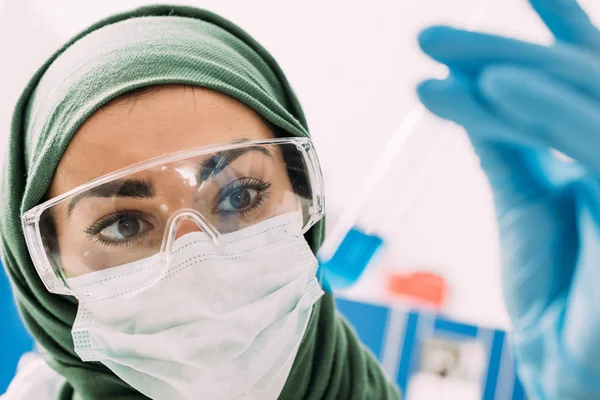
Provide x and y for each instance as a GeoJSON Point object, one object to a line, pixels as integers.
{"type": "Point", "coordinates": [133, 129]}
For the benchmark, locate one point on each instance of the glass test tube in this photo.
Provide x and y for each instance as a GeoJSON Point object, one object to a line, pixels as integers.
{"type": "Point", "coordinates": [353, 245]}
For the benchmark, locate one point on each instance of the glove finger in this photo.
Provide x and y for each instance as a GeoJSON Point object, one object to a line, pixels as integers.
{"type": "Point", "coordinates": [568, 22]}
{"type": "Point", "coordinates": [514, 175]}
{"type": "Point", "coordinates": [551, 112]}
{"type": "Point", "coordinates": [456, 99]}
{"type": "Point", "coordinates": [471, 52]}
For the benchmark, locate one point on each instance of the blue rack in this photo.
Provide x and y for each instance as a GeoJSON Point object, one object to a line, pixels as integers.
{"type": "Point", "coordinates": [383, 329]}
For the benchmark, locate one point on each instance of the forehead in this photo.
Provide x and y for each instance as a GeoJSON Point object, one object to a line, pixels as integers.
{"type": "Point", "coordinates": [162, 121]}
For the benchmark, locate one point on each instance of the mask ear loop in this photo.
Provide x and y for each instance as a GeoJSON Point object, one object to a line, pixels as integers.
{"type": "Point", "coordinates": [188, 214]}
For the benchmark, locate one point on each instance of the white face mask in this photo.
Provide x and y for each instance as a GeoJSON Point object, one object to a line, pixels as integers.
{"type": "Point", "coordinates": [221, 322]}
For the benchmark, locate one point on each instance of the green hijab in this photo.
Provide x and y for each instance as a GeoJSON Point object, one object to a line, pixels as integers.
{"type": "Point", "coordinates": [150, 46]}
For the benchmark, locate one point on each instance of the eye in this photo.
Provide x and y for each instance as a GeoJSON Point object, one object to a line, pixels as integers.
{"type": "Point", "coordinates": [242, 196]}
{"type": "Point", "coordinates": [124, 228]}
{"type": "Point", "coordinates": [239, 200]}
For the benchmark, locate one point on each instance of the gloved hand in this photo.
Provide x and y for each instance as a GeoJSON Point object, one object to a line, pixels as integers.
{"type": "Point", "coordinates": [518, 101]}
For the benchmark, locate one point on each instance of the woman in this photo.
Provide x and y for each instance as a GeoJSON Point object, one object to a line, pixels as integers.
{"type": "Point", "coordinates": [160, 168]}
{"type": "Point", "coordinates": [181, 272]}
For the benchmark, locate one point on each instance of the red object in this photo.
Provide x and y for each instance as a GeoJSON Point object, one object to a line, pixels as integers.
{"type": "Point", "coordinates": [421, 286]}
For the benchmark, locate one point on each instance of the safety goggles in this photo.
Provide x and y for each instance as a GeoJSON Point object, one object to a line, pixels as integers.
{"type": "Point", "coordinates": [137, 212]}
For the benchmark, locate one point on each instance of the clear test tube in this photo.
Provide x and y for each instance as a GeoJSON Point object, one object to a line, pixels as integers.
{"type": "Point", "coordinates": [352, 245]}
{"type": "Point", "coordinates": [365, 242]}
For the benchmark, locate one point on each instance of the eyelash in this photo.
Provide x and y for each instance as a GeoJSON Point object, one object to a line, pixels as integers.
{"type": "Point", "coordinates": [245, 183]}
{"type": "Point", "coordinates": [93, 230]}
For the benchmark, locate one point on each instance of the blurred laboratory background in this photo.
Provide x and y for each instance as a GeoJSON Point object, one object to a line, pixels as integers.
{"type": "Point", "coordinates": [428, 302]}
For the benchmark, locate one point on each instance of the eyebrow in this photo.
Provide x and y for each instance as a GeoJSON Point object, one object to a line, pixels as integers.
{"type": "Point", "coordinates": [133, 188]}
{"type": "Point", "coordinates": [217, 163]}
{"type": "Point", "coordinates": [144, 188]}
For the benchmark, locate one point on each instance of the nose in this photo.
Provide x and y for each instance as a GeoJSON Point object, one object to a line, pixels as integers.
{"type": "Point", "coordinates": [186, 226]}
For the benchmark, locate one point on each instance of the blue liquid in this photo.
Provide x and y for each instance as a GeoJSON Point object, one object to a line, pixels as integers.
{"type": "Point", "coordinates": [351, 259]}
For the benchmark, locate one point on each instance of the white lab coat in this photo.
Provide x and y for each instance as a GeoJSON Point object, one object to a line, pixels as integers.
{"type": "Point", "coordinates": [34, 380]}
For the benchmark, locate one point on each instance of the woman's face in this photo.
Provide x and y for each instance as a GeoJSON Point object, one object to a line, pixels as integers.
{"type": "Point", "coordinates": [134, 129]}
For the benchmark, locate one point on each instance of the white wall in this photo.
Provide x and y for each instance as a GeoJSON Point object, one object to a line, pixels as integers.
{"type": "Point", "coordinates": [354, 66]}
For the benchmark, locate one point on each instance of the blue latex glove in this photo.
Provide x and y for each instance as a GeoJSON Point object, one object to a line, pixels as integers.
{"type": "Point", "coordinates": [517, 101]}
